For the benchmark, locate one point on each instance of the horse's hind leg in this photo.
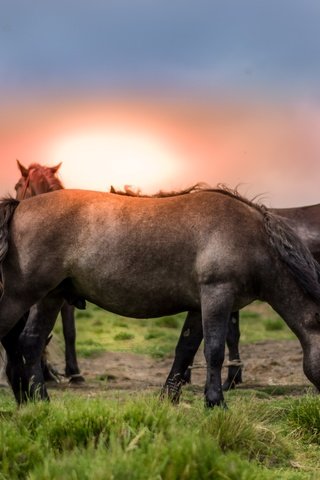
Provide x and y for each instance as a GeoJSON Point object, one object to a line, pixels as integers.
{"type": "Point", "coordinates": [233, 337]}
{"type": "Point", "coordinates": [28, 382]}
{"type": "Point", "coordinates": [216, 306]}
{"type": "Point", "coordinates": [69, 333]}
{"type": "Point", "coordinates": [187, 347]}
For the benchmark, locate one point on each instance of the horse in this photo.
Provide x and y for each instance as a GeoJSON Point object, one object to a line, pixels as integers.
{"type": "Point", "coordinates": [149, 257]}
{"type": "Point", "coordinates": [305, 221]}
{"type": "Point", "coordinates": [38, 179]}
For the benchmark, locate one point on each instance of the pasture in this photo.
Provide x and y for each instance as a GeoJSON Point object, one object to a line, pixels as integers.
{"type": "Point", "coordinates": [115, 427]}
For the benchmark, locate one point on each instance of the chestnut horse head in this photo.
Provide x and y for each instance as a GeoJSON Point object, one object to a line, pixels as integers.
{"type": "Point", "coordinates": [37, 179]}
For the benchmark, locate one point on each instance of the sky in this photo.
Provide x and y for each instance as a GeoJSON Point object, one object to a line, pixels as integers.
{"type": "Point", "coordinates": [163, 94]}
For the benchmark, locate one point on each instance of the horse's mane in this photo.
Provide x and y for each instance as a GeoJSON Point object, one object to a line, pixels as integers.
{"type": "Point", "coordinates": [130, 192]}
{"type": "Point", "coordinates": [37, 171]}
{"type": "Point", "coordinates": [197, 187]}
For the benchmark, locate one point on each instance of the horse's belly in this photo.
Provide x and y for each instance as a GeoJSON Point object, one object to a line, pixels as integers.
{"type": "Point", "coordinates": [139, 298]}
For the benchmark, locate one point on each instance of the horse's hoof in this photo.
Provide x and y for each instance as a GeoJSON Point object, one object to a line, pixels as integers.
{"type": "Point", "coordinates": [76, 379]}
{"type": "Point", "coordinates": [213, 398]}
{"type": "Point", "coordinates": [215, 403]}
{"type": "Point", "coordinates": [35, 393]}
{"type": "Point", "coordinates": [171, 394]}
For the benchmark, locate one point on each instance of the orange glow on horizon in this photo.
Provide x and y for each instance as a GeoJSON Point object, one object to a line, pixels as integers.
{"type": "Point", "coordinates": [100, 158]}
{"type": "Point", "coordinates": [156, 145]}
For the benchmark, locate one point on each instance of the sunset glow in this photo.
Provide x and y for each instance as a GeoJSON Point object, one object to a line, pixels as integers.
{"type": "Point", "coordinates": [167, 146]}
{"type": "Point", "coordinates": [99, 159]}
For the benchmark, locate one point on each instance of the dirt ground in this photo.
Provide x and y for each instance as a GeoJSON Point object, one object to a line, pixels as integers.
{"type": "Point", "coordinates": [266, 364]}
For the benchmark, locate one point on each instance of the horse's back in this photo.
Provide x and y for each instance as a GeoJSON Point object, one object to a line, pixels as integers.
{"type": "Point", "coordinates": [79, 221]}
{"type": "Point", "coordinates": [86, 212]}
{"type": "Point", "coordinates": [117, 248]}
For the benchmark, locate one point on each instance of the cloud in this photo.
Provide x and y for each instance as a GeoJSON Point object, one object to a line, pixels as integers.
{"type": "Point", "coordinates": [199, 45]}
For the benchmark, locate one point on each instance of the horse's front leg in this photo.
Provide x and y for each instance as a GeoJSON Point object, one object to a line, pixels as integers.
{"type": "Point", "coordinates": [69, 332]}
{"type": "Point", "coordinates": [187, 347]}
{"type": "Point", "coordinates": [233, 338]}
{"type": "Point", "coordinates": [14, 364]}
{"type": "Point", "coordinates": [216, 303]}
{"type": "Point", "coordinates": [32, 342]}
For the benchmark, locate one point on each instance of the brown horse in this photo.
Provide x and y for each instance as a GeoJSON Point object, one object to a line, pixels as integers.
{"type": "Point", "coordinates": [305, 221]}
{"type": "Point", "coordinates": [35, 180]}
{"type": "Point", "coordinates": [147, 257]}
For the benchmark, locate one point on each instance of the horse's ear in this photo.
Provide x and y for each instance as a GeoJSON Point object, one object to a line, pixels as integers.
{"type": "Point", "coordinates": [24, 171]}
{"type": "Point", "coordinates": [55, 168]}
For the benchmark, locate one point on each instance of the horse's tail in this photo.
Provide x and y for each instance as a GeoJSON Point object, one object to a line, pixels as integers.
{"type": "Point", "coordinates": [293, 253]}
{"type": "Point", "coordinates": [7, 208]}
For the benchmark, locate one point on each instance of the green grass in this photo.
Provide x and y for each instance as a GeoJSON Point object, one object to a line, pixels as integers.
{"type": "Point", "coordinates": [135, 436]}
{"type": "Point", "coordinates": [123, 336]}
{"type": "Point", "coordinates": [304, 417]}
{"type": "Point", "coordinates": [168, 322]}
{"type": "Point", "coordinates": [99, 331]}
{"type": "Point", "coordinates": [271, 324]}
{"type": "Point", "coordinates": [259, 322]}
{"type": "Point", "coordinates": [107, 434]}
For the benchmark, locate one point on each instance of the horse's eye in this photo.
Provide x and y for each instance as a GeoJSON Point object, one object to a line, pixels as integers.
{"type": "Point", "coordinates": [16, 186]}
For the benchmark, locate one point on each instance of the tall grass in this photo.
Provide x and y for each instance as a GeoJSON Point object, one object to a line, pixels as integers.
{"type": "Point", "coordinates": [304, 417]}
{"type": "Point", "coordinates": [142, 438]}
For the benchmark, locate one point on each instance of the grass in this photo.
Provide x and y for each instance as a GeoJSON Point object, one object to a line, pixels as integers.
{"type": "Point", "coordinates": [105, 434]}
{"type": "Point", "coordinates": [258, 322]}
{"type": "Point", "coordinates": [304, 417]}
{"type": "Point", "coordinates": [138, 437]}
{"type": "Point", "coordinates": [99, 331]}
{"type": "Point", "coordinates": [271, 324]}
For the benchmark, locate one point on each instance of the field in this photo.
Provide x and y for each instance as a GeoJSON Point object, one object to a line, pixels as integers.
{"type": "Point", "coordinates": [115, 427]}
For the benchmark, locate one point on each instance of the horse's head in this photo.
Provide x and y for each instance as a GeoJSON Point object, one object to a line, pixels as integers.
{"type": "Point", "coordinates": [36, 179]}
